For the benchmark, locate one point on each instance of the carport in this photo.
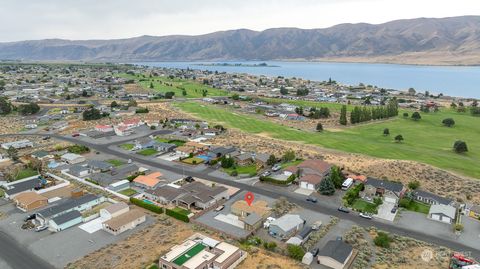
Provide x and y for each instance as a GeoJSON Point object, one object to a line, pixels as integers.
{"type": "Point", "coordinates": [93, 225]}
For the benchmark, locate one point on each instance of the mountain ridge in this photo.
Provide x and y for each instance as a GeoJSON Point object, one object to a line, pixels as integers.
{"type": "Point", "coordinates": [452, 40]}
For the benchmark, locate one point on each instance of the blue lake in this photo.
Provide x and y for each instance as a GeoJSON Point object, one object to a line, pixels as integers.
{"type": "Point", "coordinates": [461, 81]}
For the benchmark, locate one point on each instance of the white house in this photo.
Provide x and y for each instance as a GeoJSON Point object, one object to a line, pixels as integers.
{"type": "Point", "coordinates": [18, 144]}
{"type": "Point", "coordinates": [442, 213]}
{"type": "Point", "coordinates": [72, 158]}
{"type": "Point", "coordinates": [114, 210]}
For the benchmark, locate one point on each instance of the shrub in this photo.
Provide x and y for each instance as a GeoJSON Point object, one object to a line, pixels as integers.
{"type": "Point", "coordinates": [382, 240]}
{"type": "Point", "coordinates": [234, 173]}
{"type": "Point", "coordinates": [458, 227]}
{"type": "Point", "coordinates": [151, 207]}
{"type": "Point", "coordinates": [78, 149]}
{"type": "Point", "coordinates": [269, 245]}
{"type": "Point", "coordinates": [92, 181]}
{"type": "Point", "coordinates": [295, 252]}
{"type": "Point", "coordinates": [177, 215]}
{"type": "Point", "coordinates": [289, 180]}
{"type": "Point", "coordinates": [449, 122]}
{"type": "Point", "coordinates": [460, 146]}
{"type": "Point", "coordinates": [413, 185]}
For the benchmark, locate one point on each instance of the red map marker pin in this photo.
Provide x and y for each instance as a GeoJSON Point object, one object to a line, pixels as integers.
{"type": "Point", "coordinates": [249, 198]}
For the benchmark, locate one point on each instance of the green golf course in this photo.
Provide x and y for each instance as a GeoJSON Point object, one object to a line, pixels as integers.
{"type": "Point", "coordinates": [426, 140]}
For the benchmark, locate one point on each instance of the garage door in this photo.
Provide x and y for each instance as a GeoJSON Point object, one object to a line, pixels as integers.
{"type": "Point", "coordinates": [304, 185]}
{"type": "Point", "coordinates": [390, 200]}
{"type": "Point", "coordinates": [445, 219]}
{"type": "Point", "coordinates": [435, 217]}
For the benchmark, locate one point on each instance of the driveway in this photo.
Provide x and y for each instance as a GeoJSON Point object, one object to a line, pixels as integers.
{"type": "Point", "coordinates": [385, 211]}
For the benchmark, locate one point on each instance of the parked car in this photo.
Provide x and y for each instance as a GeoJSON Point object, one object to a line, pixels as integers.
{"type": "Point", "coordinates": [315, 252]}
{"type": "Point", "coordinates": [276, 167]}
{"type": "Point", "coordinates": [75, 134]}
{"type": "Point", "coordinates": [365, 215]}
{"type": "Point", "coordinates": [311, 199]}
{"type": "Point", "coordinates": [266, 174]}
{"type": "Point", "coordinates": [394, 210]}
{"type": "Point", "coordinates": [189, 179]}
{"type": "Point", "coordinates": [46, 137]}
{"type": "Point", "coordinates": [220, 208]}
{"type": "Point", "coordinates": [339, 238]}
{"type": "Point", "coordinates": [343, 209]}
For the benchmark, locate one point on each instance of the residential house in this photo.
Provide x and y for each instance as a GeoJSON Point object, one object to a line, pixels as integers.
{"type": "Point", "coordinates": [18, 144]}
{"type": "Point", "coordinates": [81, 203]}
{"type": "Point", "coordinates": [144, 143]}
{"type": "Point", "coordinates": [30, 200]}
{"type": "Point", "coordinates": [72, 158]}
{"type": "Point", "coordinates": [114, 210]}
{"type": "Point", "coordinates": [65, 221]}
{"type": "Point", "coordinates": [201, 252]}
{"type": "Point", "coordinates": [59, 125]}
{"type": "Point", "coordinates": [103, 128]}
{"type": "Point", "coordinates": [391, 191]}
{"type": "Point", "coordinates": [311, 173]}
{"type": "Point", "coordinates": [15, 188]}
{"type": "Point", "coordinates": [165, 194]}
{"type": "Point", "coordinates": [41, 155]}
{"type": "Point", "coordinates": [261, 159]}
{"type": "Point", "coordinates": [218, 152]}
{"type": "Point", "coordinates": [336, 254]}
{"type": "Point", "coordinates": [474, 211]}
{"type": "Point", "coordinates": [252, 215]}
{"type": "Point", "coordinates": [286, 226]}
{"type": "Point", "coordinates": [244, 159]}
{"type": "Point", "coordinates": [119, 185]}
{"type": "Point", "coordinates": [124, 222]}
{"type": "Point", "coordinates": [122, 130]}
{"type": "Point", "coordinates": [150, 181]}
{"type": "Point", "coordinates": [97, 166]}
{"type": "Point", "coordinates": [443, 213]}
{"type": "Point", "coordinates": [430, 198]}
{"type": "Point", "coordinates": [164, 147]}
{"type": "Point", "coordinates": [79, 170]}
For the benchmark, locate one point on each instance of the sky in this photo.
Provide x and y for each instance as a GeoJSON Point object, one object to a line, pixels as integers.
{"type": "Point", "coordinates": [108, 19]}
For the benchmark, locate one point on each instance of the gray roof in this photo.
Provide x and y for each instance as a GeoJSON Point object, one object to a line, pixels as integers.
{"type": "Point", "coordinates": [167, 192]}
{"type": "Point", "coordinates": [66, 205]}
{"type": "Point", "coordinates": [431, 196]}
{"type": "Point", "coordinates": [388, 185]}
{"type": "Point", "coordinates": [40, 154]}
{"type": "Point", "coordinates": [222, 150]}
{"type": "Point", "coordinates": [23, 186]}
{"type": "Point", "coordinates": [305, 232]}
{"type": "Point", "coordinates": [76, 169]}
{"type": "Point", "coordinates": [99, 164]}
{"type": "Point", "coordinates": [445, 210]}
{"type": "Point", "coordinates": [337, 250]}
{"type": "Point", "coordinates": [252, 219]}
{"type": "Point", "coordinates": [288, 222]}
{"type": "Point", "coordinates": [244, 156]}
{"type": "Point", "coordinates": [64, 218]}
{"type": "Point", "coordinates": [262, 157]}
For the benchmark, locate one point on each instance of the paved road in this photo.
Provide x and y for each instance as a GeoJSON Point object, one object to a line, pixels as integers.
{"type": "Point", "coordinates": [275, 192]}
{"type": "Point", "coordinates": [17, 256]}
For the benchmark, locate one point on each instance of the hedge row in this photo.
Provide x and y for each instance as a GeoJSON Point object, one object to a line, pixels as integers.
{"type": "Point", "coordinates": [151, 207]}
{"type": "Point", "coordinates": [289, 180]}
{"type": "Point", "coordinates": [177, 215]}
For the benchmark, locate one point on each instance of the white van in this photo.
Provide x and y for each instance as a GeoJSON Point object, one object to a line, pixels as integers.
{"type": "Point", "coordinates": [347, 184]}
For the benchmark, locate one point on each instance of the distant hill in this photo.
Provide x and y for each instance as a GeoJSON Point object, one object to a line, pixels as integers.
{"type": "Point", "coordinates": [453, 40]}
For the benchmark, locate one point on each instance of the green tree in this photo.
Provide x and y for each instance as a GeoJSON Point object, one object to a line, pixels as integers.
{"type": "Point", "coordinates": [5, 106]}
{"type": "Point", "coordinates": [411, 91]}
{"type": "Point", "coordinates": [416, 116]}
{"type": "Point", "coordinates": [343, 115]}
{"type": "Point", "coordinates": [91, 114]}
{"type": "Point", "coordinates": [405, 114]}
{"type": "Point", "coordinates": [382, 240]}
{"type": "Point", "coordinates": [289, 155]}
{"type": "Point", "coordinates": [319, 127]}
{"type": "Point", "coordinates": [271, 160]}
{"type": "Point", "coordinates": [283, 91]}
{"type": "Point", "coordinates": [460, 146]}
{"type": "Point", "coordinates": [235, 96]}
{"type": "Point", "coordinates": [295, 252]}
{"type": "Point", "coordinates": [413, 185]}
{"type": "Point", "coordinates": [184, 92]}
{"type": "Point", "coordinates": [12, 153]}
{"type": "Point", "coordinates": [114, 104]}
{"type": "Point", "coordinates": [227, 162]}
{"type": "Point", "coordinates": [326, 186]}
{"type": "Point", "coordinates": [151, 85]}
{"type": "Point", "coordinates": [169, 95]}
{"type": "Point", "coordinates": [398, 138]}
{"type": "Point", "coordinates": [453, 105]}
{"type": "Point", "coordinates": [132, 103]}
{"type": "Point", "coordinates": [386, 132]}
{"type": "Point", "coordinates": [449, 122]}
{"type": "Point", "coordinates": [28, 109]}
{"type": "Point", "coordinates": [336, 177]}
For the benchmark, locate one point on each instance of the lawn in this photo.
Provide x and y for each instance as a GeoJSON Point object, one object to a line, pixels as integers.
{"type": "Point", "coordinates": [164, 84]}
{"type": "Point", "coordinates": [243, 170]}
{"type": "Point", "coordinates": [128, 192]}
{"type": "Point", "coordinates": [291, 163]}
{"type": "Point", "coordinates": [2, 192]}
{"type": "Point", "coordinates": [147, 152]}
{"type": "Point", "coordinates": [115, 162]}
{"type": "Point", "coordinates": [425, 141]}
{"type": "Point", "coordinates": [27, 172]}
{"type": "Point", "coordinates": [417, 207]}
{"type": "Point", "coordinates": [364, 206]}
{"type": "Point", "coordinates": [182, 211]}
{"type": "Point", "coordinates": [176, 142]}
{"type": "Point", "coordinates": [127, 146]}
{"type": "Point", "coordinates": [193, 160]}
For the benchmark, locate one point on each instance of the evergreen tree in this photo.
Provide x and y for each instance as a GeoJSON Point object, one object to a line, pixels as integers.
{"type": "Point", "coordinates": [416, 116]}
{"type": "Point", "coordinates": [460, 146]}
{"type": "Point", "coordinates": [326, 186]}
{"type": "Point", "coordinates": [386, 132]}
{"type": "Point", "coordinates": [343, 115]}
{"type": "Point", "coordinates": [319, 127]}
{"type": "Point", "coordinates": [336, 177]}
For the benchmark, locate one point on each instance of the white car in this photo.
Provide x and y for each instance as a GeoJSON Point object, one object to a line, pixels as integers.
{"type": "Point", "coordinates": [276, 168]}
{"type": "Point", "coordinates": [365, 215]}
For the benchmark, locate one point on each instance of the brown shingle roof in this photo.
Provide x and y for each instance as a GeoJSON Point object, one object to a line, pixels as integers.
{"type": "Point", "coordinates": [29, 197]}
{"type": "Point", "coordinates": [117, 222]}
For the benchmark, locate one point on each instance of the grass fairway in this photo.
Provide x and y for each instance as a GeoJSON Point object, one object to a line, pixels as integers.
{"type": "Point", "coordinates": [165, 84]}
{"type": "Point", "coordinates": [425, 141]}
